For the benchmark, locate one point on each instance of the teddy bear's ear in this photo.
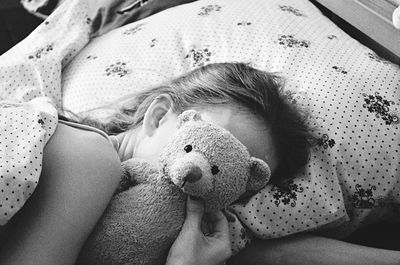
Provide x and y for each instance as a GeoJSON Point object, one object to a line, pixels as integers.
{"type": "Point", "coordinates": [259, 176]}
{"type": "Point", "coordinates": [188, 115]}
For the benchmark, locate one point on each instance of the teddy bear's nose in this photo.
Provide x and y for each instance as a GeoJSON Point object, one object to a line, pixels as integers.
{"type": "Point", "coordinates": [193, 175]}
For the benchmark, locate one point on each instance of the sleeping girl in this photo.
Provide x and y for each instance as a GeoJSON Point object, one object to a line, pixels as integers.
{"type": "Point", "coordinates": [59, 174]}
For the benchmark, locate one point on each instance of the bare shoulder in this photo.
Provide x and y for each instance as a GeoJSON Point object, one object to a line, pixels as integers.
{"type": "Point", "coordinates": [83, 167]}
{"type": "Point", "coordinates": [80, 172]}
{"type": "Point", "coordinates": [82, 150]}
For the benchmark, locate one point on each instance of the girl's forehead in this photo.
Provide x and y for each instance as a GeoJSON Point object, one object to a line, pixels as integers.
{"type": "Point", "coordinates": [249, 129]}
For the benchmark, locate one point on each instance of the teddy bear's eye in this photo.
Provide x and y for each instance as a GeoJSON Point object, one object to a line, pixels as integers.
{"type": "Point", "coordinates": [214, 170]}
{"type": "Point", "coordinates": [188, 148]}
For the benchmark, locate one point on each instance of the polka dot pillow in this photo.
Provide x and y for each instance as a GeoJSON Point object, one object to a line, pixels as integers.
{"type": "Point", "coordinates": [353, 96]}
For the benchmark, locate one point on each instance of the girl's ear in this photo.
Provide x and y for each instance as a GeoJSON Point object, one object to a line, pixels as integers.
{"type": "Point", "coordinates": [260, 174]}
{"type": "Point", "coordinates": [188, 115]}
{"type": "Point", "coordinates": [155, 113]}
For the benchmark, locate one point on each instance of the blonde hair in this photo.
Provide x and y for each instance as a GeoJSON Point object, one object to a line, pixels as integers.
{"type": "Point", "coordinates": [261, 93]}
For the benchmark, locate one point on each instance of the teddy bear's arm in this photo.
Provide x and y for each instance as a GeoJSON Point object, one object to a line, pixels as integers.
{"type": "Point", "coordinates": [135, 171]}
{"type": "Point", "coordinates": [138, 170]}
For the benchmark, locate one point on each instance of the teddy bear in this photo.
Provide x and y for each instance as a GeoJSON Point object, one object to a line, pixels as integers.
{"type": "Point", "coordinates": [145, 216]}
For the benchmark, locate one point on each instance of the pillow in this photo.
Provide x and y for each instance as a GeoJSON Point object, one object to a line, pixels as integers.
{"type": "Point", "coordinates": [290, 37]}
{"type": "Point", "coordinates": [161, 47]}
{"type": "Point", "coordinates": [353, 96]}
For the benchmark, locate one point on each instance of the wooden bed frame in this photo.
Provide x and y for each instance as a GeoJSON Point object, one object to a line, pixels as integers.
{"type": "Point", "coordinates": [368, 21]}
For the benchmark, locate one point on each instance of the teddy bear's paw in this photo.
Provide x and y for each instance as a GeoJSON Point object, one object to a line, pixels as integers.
{"type": "Point", "coordinates": [188, 115]}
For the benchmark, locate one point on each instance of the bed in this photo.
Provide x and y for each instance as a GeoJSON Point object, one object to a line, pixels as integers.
{"type": "Point", "coordinates": [291, 37]}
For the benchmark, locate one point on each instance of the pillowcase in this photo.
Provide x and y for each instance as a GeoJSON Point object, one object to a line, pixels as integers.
{"type": "Point", "coordinates": [289, 37]}
{"type": "Point", "coordinates": [353, 96]}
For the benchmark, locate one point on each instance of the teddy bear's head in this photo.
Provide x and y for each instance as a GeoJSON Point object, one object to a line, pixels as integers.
{"type": "Point", "coordinates": [207, 161]}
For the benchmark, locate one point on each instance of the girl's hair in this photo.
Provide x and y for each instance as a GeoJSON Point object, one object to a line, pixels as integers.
{"type": "Point", "coordinates": [225, 83]}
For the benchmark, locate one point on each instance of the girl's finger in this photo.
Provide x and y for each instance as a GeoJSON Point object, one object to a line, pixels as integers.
{"type": "Point", "coordinates": [220, 224]}
{"type": "Point", "coordinates": [194, 213]}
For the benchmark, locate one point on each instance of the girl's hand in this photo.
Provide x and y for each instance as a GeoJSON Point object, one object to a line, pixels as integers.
{"type": "Point", "coordinates": [193, 246]}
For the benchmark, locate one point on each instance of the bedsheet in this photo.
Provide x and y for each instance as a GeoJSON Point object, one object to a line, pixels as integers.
{"type": "Point", "coordinates": [30, 92]}
{"type": "Point", "coordinates": [31, 95]}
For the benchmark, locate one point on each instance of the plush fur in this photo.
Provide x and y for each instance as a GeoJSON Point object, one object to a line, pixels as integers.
{"type": "Point", "coordinates": [144, 218]}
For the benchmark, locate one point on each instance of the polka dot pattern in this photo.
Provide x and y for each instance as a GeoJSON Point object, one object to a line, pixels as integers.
{"type": "Point", "coordinates": [352, 94]}
{"type": "Point", "coordinates": [30, 94]}
{"type": "Point", "coordinates": [24, 130]}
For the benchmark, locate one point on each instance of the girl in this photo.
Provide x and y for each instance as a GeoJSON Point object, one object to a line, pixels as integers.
{"type": "Point", "coordinates": [58, 176]}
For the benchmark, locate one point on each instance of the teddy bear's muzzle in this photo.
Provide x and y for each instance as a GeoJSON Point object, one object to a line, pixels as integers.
{"type": "Point", "coordinates": [193, 175]}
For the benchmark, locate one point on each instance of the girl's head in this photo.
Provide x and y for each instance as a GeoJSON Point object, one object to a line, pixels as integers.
{"type": "Point", "coordinates": [248, 102]}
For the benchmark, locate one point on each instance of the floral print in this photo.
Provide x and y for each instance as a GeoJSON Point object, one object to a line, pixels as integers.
{"type": "Point", "coordinates": [300, 99]}
{"type": "Point", "coordinates": [91, 57]}
{"type": "Point", "coordinates": [199, 57]}
{"type": "Point", "coordinates": [363, 198]}
{"type": "Point", "coordinates": [117, 69]}
{"type": "Point", "coordinates": [289, 41]}
{"type": "Point", "coordinates": [373, 56]}
{"type": "Point", "coordinates": [153, 42]}
{"type": "Point", "coordinates": [244, 23]}
{"type": "Point", "coordinates": [340, 69]}
{"type": "Point", "coordinates": [287, 195]}
{"type": "Point", "coordinates": [242, 233]}
{"type": "Point", "coordinates": [381, 107]}
{"type": "Point", "coordinates": [134, 30]}
{"type": "Point", "coordinates": [292, 10]}
{"type": "Point", "coordinates": [40, 52]}
{"type": "Point", "coordinates": [88, 20]}
{"type": "Point", "coordinates": [325, 142]}
{"type": "Point", "coordinates": [207, 10]}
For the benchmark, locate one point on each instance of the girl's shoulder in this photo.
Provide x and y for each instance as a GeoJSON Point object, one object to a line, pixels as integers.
{"type": "Point", "coordinates": [80, 172]}
{"type": "Point", "coordinates": [82, 148]}
{"type": "Point", "coordinates": [85, 127]}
